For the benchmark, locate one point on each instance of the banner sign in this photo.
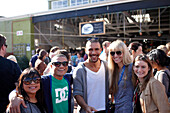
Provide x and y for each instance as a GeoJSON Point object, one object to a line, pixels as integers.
{"type": "Point", "coordinates": [91, 28]}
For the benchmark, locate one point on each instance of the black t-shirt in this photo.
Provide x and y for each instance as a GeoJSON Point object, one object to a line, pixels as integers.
{"type": "Point", "coordinates": [40, 107]}
{"type": "Point", "coordinates": [9, 74]}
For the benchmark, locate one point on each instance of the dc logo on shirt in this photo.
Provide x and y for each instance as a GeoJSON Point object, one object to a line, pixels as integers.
{"type": "Point", "coordinates": [61, 94]}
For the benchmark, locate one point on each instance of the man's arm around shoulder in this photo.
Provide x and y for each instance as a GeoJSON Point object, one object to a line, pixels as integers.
{"type": "Point", "coordinates": [15, 102]}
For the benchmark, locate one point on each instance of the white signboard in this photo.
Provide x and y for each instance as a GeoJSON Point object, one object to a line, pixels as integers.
{"type": "Point", "coordinates": [28, 48]}
{"type": "Point", "coordinates": [19, 33]}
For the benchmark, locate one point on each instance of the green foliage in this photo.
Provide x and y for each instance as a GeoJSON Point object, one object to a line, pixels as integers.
{"type": "Point", "coordinates": [23, 62]}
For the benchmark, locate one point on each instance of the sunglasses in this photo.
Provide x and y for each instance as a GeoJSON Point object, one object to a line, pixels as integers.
{"type": "Point", "coordinates": [28, 81]}
{"type": "Point", "coordinates": [117, 52]}
{"type": "Point", "coordinates": [6, 45]}
{"type": "Point", "coordinates": [58, 64]}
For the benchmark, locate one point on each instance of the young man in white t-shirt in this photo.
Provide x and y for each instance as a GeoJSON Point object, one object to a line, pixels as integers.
{"type": "Point", "coordinates": [90, 83]}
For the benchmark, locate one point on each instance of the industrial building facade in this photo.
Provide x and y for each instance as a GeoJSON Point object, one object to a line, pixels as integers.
{"type": "Point", "coordinates": [147, 21]}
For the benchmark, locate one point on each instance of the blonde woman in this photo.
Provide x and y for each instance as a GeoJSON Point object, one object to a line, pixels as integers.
{"type": "Point", "coordinates": [120, 72]}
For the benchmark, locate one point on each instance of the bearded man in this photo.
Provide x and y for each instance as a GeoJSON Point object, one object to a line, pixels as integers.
{"type": "Point", "coordinates": [90, 80]}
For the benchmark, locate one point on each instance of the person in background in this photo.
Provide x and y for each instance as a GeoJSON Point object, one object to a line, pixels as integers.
{"type": "Point", "coordinates": [120, 73]}
{"type": "Point", "coordinates": [159, 62]}
{"type": "Point", "coordinates": [52, 52]}
{"type": "Point", "coordinates": [90, 80]}
{"type": "Point", "coordinates": [49, 66]}
{"type": "Point", "coordinates": [85, 57]}
{"type": "Point", "coordinates": [47, 59]}
{"type": "Point", "coordinates": [12, 57]}
{"type": "Point", "coordinates": [168, 47]}
{"type": "Point", "coordinates": [9, 74]}
{"type": "Point", "coordinates": [29, 88]}
{"type": "Point", "coordinates": [79, 58]}
{"type": "Point", "coordinates": [82, 52]}
{"type": "Point", "coordinates": [103, 56]}
{"type": "Point", "coordinates": [40, 64]}
{"type": "Point", "coordinates": [163, 48]}
{"type": "Point", "coordinates": [73, 58]}
{"type": "Point", "coordinates": [135, 49]}
{"type": "Point", "coordinates": [153, 98]}
{"type": "Point", "coordinates": [56, 88]}
{"type": "Point", "coordinates": [34, 58]}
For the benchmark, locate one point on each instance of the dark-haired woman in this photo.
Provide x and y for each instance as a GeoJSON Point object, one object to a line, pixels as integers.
{"type": "Point", "coordinates": [40, 64]}
{"type": "Point", "coordinates": [153, 98]}
{"type": "Point", "coordinates": [159, 62]}
{"type": "Point", "coordinates": [29, 88]}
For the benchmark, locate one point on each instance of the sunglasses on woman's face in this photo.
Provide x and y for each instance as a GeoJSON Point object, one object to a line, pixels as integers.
{"type": "Point", "coordinates": [58, 64]}
{"type": "Point", "coordinates": [117, 52]}
{"type": "Point", "coordinates": [28, 81]}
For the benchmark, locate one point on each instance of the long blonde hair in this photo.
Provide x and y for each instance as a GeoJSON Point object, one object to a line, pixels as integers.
{"type": "Point", "coordinates": [117, 45]}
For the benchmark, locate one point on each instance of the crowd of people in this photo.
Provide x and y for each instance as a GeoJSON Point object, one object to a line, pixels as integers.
{"type": "Point", "coordinates": [112, 78]}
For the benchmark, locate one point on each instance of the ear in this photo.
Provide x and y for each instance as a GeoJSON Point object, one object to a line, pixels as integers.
{"type": "Point", "coordinates": [3, 47]}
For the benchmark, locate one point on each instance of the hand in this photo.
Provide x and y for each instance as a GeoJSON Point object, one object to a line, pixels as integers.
{"type": "Point", "coordinates": [89, 109]}
{"type": "Point", "coordinates": [14, 106]}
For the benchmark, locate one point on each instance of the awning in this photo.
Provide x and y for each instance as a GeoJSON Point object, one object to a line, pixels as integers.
{"type": "Point", "coordinates": [144, 4]}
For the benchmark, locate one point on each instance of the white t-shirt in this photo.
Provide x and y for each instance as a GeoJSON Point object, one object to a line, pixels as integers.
{"type": "Point", "coordinates": [96, 88]}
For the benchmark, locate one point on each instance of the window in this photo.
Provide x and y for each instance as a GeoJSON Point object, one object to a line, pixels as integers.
{"type": "Point", "coordinates": [78, 2]}
{"type": "Point", "coordinates": [59, 4]}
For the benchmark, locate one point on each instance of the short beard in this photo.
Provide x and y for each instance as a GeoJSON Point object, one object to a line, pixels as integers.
{"type": "Point", "coordinates": [93, 61]}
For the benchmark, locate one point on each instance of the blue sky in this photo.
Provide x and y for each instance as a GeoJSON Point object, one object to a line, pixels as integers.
{"type": "Point", "coordinates": [11, 8]}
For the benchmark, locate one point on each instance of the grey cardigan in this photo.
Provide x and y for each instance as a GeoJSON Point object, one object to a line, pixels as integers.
{"type": "Point", "coordinates": [80, 83]}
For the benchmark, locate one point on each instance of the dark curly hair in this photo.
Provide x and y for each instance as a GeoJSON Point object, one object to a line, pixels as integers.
{"type": "Point", "coordinates": [159, 56]}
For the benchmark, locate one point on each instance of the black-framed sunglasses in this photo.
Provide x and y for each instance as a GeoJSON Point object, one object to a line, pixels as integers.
{"type": "Point", "coordinates": [117, 52]}
{"type": "Point", "coordinates": [28, 81]}
{"type": "Point", "coordinates": [6, 45]}
{"type": "Point", "coordinates": [58, 64]}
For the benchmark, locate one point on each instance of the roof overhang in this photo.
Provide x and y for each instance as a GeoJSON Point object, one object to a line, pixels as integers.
{"type": "Point", "coordinates": [99, 8]}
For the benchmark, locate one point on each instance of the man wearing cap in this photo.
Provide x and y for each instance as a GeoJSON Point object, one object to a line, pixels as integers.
{"type": "Point", "coordinates": [90, 80]}
{"type": "Point", "coordinates": [9, 74]}
{"type": "Point", "coordinates": [57, 89]}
